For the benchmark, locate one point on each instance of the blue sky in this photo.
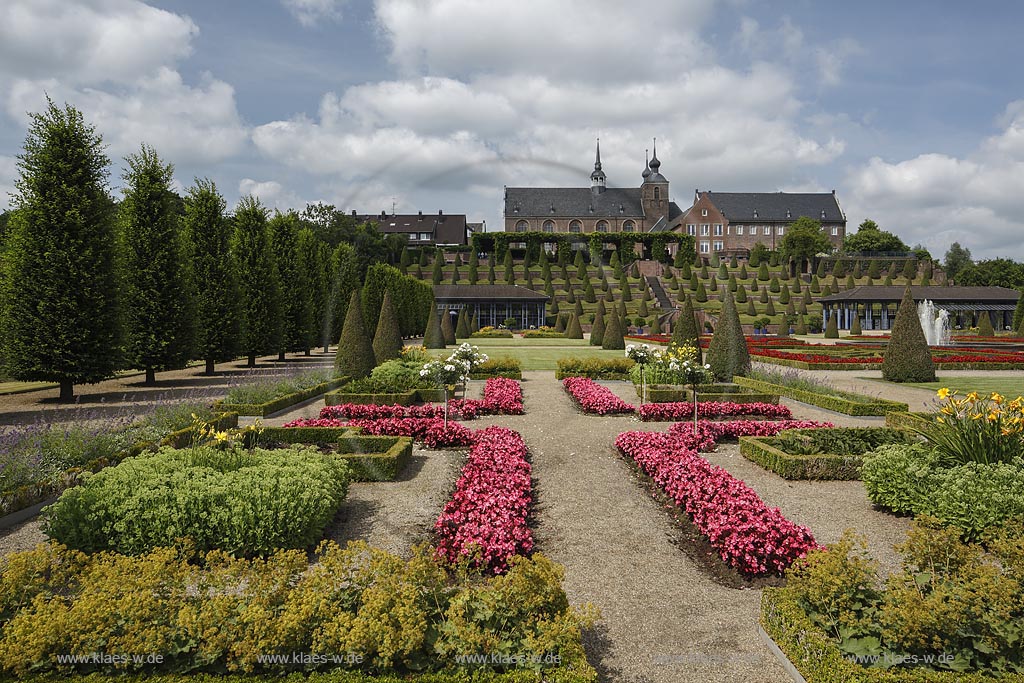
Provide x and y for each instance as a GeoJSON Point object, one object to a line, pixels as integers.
{"type": "Point", "coordinates": [912, 111]}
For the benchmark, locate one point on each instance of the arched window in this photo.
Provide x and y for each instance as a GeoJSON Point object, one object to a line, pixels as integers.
{"type": "Point", "coordinates": [522, 226]}
{"type": "Point", "coordinates": [549, 226]}
{"type": "Point", "coordinates": [575, 226]}
{"type": "Point", "coordinates": [629, 226]}
{"type": "Point", "coordinates": [602, 226]}
{"type": "Point", "coordinates": [657, 193]}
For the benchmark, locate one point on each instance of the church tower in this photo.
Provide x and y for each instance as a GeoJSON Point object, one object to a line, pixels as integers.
{"type": "Point", "coordinates": [597, 178]}
{"type": "Point", "coordinates": [654, 190]}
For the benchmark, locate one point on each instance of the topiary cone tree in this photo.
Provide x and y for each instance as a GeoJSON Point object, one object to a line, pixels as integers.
{"type": "Point", "coordinates": [832, 327]}
{"type": "Point", "coordinates": [387, 340]}
{"type": "Point", "coordinates": [433, 338]}
{"type": "Point", "coordinates": [855, 328]}
{"type": "Point", "coordinates": [685, 330]}
{"type": "Point", "coordinates": [597, 330]}
{"type": "Point", "coordinates": [447, 328]}
{"type": "Point", "coordinates": [727, 354]}
{"type": "Point", "coordinates": [985, 328]}
{"type": "Point", "coordinates": [574, 331]}
{"type": "Point", "coordinates": [613, 338]}
{"type": "Point", "coordinates": [462, 326]}
{"type": "Point", "coordinates": [355, 357]}
{"type": "Point", "coordinates": [907, 358]}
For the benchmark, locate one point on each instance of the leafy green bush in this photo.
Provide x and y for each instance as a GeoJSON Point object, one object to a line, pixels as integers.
{"type": "Point", "coordinates": [382, 613]}
{"type": "Point", "coordinates": [396, 376]}
{"type": "Point", "coordinates": [499, 366]}
{"type": "Point", "coordinates": [265, 391]}
{"type": "Point", "coordinates": [594, 368]}
{"type": "Point", "coordinates": [837, 441]}
{"type": "Point", "coordinates": [242, 502]}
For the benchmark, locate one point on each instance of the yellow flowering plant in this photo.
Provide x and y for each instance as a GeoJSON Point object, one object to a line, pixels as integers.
{"type": "Point", "coordinates": [975, 428]}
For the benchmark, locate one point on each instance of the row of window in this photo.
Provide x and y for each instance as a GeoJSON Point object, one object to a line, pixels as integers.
{"type": "Point", "coordinates": [705, 230]}
{"type": "Point", "coordinates": [705, 247]}
{"type": "Point", "coordinates": [575, 226]}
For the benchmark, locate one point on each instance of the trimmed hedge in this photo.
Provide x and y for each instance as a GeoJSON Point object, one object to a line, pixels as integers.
{"type": "Point", "coordinates": [375, 458]}
{"type": "Point", "coordinates": [819, 660]}
{"type": "Point", "coordinates": [761, 451]}
{"type": "Point", "coordinates": [908, 421]}
{"type": "Point", "coordinates": [264, 409]}
{"type": "Point", "coordinates": [492, 334]}
{"type": "Point", "coordinates": [827, 401]}
{"type": "Point", "coordinates": [594, 368]}
{"type": "Point", "coordinates": [503, 366]}
{"type": "Point", "coordinates": [307, 435]}
{"type": "Point", "coordinates": [337, 398]}
{"type": "Point", "coordinates": [671, 393]}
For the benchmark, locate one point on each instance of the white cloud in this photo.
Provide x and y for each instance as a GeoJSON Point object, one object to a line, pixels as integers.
{"type": "Point", "coordinates": [8, 174]}
{"type": "Point", "coordinates": [271, 193]}
{"type": "Point", "coordinates": [309, 13]}
{"type": "Point", "coordinates": [936, 199]}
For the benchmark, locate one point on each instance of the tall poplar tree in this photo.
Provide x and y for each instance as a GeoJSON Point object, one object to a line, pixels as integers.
{"type": "Point", "coordinates": [258, 280]}
{"type": "Point", "coordinates": [61, 316]}
{"type": "Point", "coordinates": [294, 281]}
{"type": "Point", "coordinates": [159, 306]}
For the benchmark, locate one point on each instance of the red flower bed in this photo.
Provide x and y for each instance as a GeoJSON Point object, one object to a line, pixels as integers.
{"type": "Point", "coordinates": [750, 536]}
{"type": "Point", "coordinates": [488, 512]}
{"type": "Point", "coordinates": [428, 430]}
{"type": "Point", "coordinates": [654, 412]}
{"type": "Point", "coordinates": [813, 357]}
{"type": "Point", "coordinates": [594, 398]}
{"type": "Point", "coordinates": [656, 338]}
{"type": "Point", "coordinates": [502, 396]}
{"type": "Point", "coordinates": [709, 433]}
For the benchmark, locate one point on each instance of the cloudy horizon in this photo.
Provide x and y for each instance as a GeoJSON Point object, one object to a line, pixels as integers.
{"type": "Point", "coordinates": [915, 116]}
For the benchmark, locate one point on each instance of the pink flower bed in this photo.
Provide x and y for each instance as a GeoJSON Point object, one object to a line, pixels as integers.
{"type": "Point", "coordinates": [594, 398]}
{"type": "Point", "coordinates": [502, 396]}
{"type": "Point", "coordinates": [369, 411]}
{"type": "Point", "coordinates": [428, 430]}
{"type": "Point", "coordinates": [750, 536]}
{"type": "Point", "coordinates": [653, 412]}
{"type": "Point", "coordinates": [488, 512]}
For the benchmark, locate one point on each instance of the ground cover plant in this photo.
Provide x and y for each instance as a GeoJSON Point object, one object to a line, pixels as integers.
{"type": "Point", "coordinates": [266, 390]}
{"type": "Point", "coordinates": [819, 453]}
{"type": "Point", "coordinates": [663, 412]}
{"type": "Point", "coordinates": [592, 398]}
{"type": "Point", "coordinates": [382, 613]}
{"type": "Point", "coordinates": [242, 502]}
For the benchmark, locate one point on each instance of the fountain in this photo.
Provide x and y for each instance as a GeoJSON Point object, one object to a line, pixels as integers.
{"type": "Point", "coordinates": [935, 326]}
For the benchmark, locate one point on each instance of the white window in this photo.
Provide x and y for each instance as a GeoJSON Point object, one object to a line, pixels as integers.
{"type": "Point", "coordinates": [767, 230]}
{"type": "Point", "coordinates": [691, 229]}
{"type": "Point", "coordinates": [718, 229]}
{"type": "Point", "coordinates": [835, 230]}
{"type": "Point", "coordinates": [522, 226]}
{"type": "Point", "coordinates": [602, 226]}
{"type": "Point", "coordinates": [424, 235]}
{"type": "Point", "coordinates": [705, 247]}
{"type": "Point", "coordinates": [549, 226]}
{"type": "Point", "coordinates": [781, 230]}
{"type": "Point", "coordinates": [739, 229]}
{"type": "Point", "coordinates": [705, 229]}
{"type": "Point", "coordinates": [629, 226]}
{"type": "Point", "coordinates": [703, 212]}
{"type": "Point", "coordinates": [575, 226]}
{"type": "Point", "coordinates": [719, 245]}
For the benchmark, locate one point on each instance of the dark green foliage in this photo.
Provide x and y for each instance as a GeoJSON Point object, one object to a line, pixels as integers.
{"type": "Point", "coordinates": [574, 331]}
{"type": "Point", "coordinates": [406, 260]}
{"type": "Point", "coordinates": [294, 279]}
{"type": "Point", "coordinates": [743, 272]}
{"type": "Point", "coordinates": [797, 285]}
{"type": "Point", "coordinates": [985, 325]}
{"type": "Point", "coordinates": [733, 262]}
{"type": "Point", "coordinates": [679, 261]}
{"type": "Point", "coordinates": [355, 357]}
{"type": "Point", "coordinates": [510, 271]}
{"type": "Point", "coordinates": [597, 329]}
{"type": "Point", "coordinates": [258, 279]}
{"type": "Point", "coordinates": [763, 295]}
{"type": "Point", "coordinates": [741, 294]}
{"type": "Point", "coordinates": [474, 276]}
{"type": "Point", "coordinates": [438, 273]}
{"type": "Point", "coordinates": [620, 308]}
{"type": "Point", "coordinates": [656, 325]}
{"type": "Point", "coordinates": [666, 271]}
{"type": "Point", "coordinates": [455, 275]}
{"type": "Point", "coordinates": [727, 354]}
{"type": "Point", "coordinates": [343, 276]}
{"type": "Point", "coordinates": [579, 307]}
{"type": "Point", "coordinates": [815, 285]}
{"type": "Point", "coordinates": [713, 283]}
{"type": "Point", "coordinates": [434, 336]}
{"type": "Point", "coordinates": [589, 294]}
{"type": "Point", "coordinates": [642, 309]}
{"type": "Point", "coordinates": [218, 311]}
{"type": "Point", "coordinates": [423, 262]}
{"type": "Point", "coordinates": [783, 326]}
{"type": "Point", "coordinates": [462, 325]}
{"type": "Point", "coordinates": [839, 269]}
{"type": "Point", "coordinates": [875, 269]}
{"type": "Point", "coordinates": [704, 271]}
{"type": "Point", "coordinates": [314, 256]}
{"type": "Point", "coordinates": [578, 261]}
{"type": "Point", "coordinates": [820, 272]}
{"type": "Point", "coordinates": [907, 357]}
{"type": "Point", "coordinates": [801, 325]}
{"type": "Point", "coordinates": [1020, 328]}
{"type": "Point", "coordinates": [770, 308]}
{"type": "Point", "coordinates": [762, 272]}
{"type": "Point", "coordinates": [773, 259]}
{"type": "Point", "coordinates": [784, 295]}
{"type": "Point", "coordinates": [627, 290]}
{"type": "Point", "coordinates": [856, 270]}
{"type": "Point", "coordinates": [723, 272]}
{"type": "Point", "coordinates": [850, 284]}
{"type": "Point", "coordinates": [609, 296]}
{"type": "Point", "coordinates": [910, 269]}
{"type": "Point", "coordinates": [61, 314]}
{"type": "Point", "coordinates": [774, 286]}
{"type": "Point", "coordinates": [554, 307]}
{"type": "Point", "coordinates": [560, 323]}
{"type": "Point", "coordinates": [855, 327]}
{"type": "Point", "coordinates": [808, 299]}
{"type": "Point", "coordinates": [732, 284]}
{"type": "Point", "coordinates": [447, 328]}
{"type": "Point", "coordinates": [387, 340]}
{"type": "Point", "coordinates": [410, 298]}
{"type": "Point", "coordinates": [832, 328]}
{"type": "Point", "coordinates": [613, 334]}
{"type": "Point", "coordinates": [1018, 312]}
{"type": "Point", "coordinates": [888, 281]}
{"type": "Point", "coordinates": [685, 271]}
{"type": "Point", "coordinates": [790, 309]}
{"type": "Point", "coordinates": [158, 297]}
{"type": "Point", "coordinates": [701, 294]}
{"type": "Point", "coordinates": [570, 297]}
{"type": "Point", "coordinates": [751, 308]}
{"type": "Point", "coordinates": [685, 330]}
{"type": "Point", "coordinates": [490, 271]}
{"type": "Point", "coordinates": [694, 281]}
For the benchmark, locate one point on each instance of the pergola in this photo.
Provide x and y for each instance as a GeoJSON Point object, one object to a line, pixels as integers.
{"type": "Point", "coordinates": [493, 304]}
{"type": "Point", "coordinates": [877, 305]}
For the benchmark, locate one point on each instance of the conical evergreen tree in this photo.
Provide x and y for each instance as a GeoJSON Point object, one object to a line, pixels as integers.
{"type": "Point", "coordinates": [296, 303]}
{"type": "Point", "coordinates": [387, 340]}
{"type": "Point", "coordinates": [770, 308]}
{"type": "Point", "coordinates": [405, 260]}
{"type": "Point", "coordinates": [762, 272]}
{"type": "Point", "coordinates": [613, 337]}
{"type": "Point", "coordinates": [743, 272]}
{"type": "Point", "coordinates": [434, 336]}
{"type": "Point", "coordinates": [456, 275]}
{"type": "Point", "coordinates": [438, 273]}
{"type": "Point", "coordinates": [554, 307]}
{"type": "Point", "coordinates": [589, 294]}
{"type": "Point", "coordinates": [685, 271]}
{"type": "Point", "coordinates": [642, 309]}
{"type": "Point", "coordinates": [801, 326]}
{"type": "Point", "coordinates": [797, 286]}
{"type": "Point", "coordinates": [1020, 328]}
{"type": "Point", "coordinates": [510, 275]}
{"type": "Point", "coordinates": [723, 272]}
{"type": "Point", "coordinates": [685, 330]}
{"type": "Point", "coordinates": [423, 262]}
{"type": "Point", "coordinates": [855, 328]}
{"type": "Point", "coordinates": [783, 327]}
{"type": "Point", "coordinates": [751, 308]}
{"type": "Point", "coordinates": [784, 295]}
{"type": "Point", "coordinates": [579, 307]}
{"type": "Point", "coordinates": [355, 357]}
{"type": "Point", "coordinates": [985, 328]}
{"type": "Point", "coordinates": [763, 295]}
{"type": "Point", "coordinates": [701, 294]}
{"type": "Point", "coordinates": [447, 328]}
{"type": "Point", "coordinates": [875, 269]}
{"type": "Point", "coordinates": [627, 291]}
{"type": "Point", "coordinates": [656, 325]}
{"type": "Point", "coordinates": [741, 294]}
{"type": "Point", "coordinates": [774, 286]}
{"type": "Point", "coordinates": [850, 284]}
{"type": "Point", "coordinates": [574, 331]}
{"type": "Point", "coordinates": [839, 269]}
{"type": "Point", "coordinates": [820, 272]}
{"type": "Point", "coordinates": [462, 326]}
{"type": "Point", "coordinates": [634, 271]}
{"type": "Point", "coordinates": [815, 285]}
{"type": "Point", "coordinates": [490, 271]}
{"type": "Point", "coordinates": [907, 357]}
{"type": "Point", "coordinates": [727, 353]}
{"type": "Point", "coordinates": [620, 308]}
{"type": "Point", "coordinates": [560, 323]}
{"type": "Point", "coordinates": [832, 327]}
{"type": "Point", "coordinates": [597, 330]}
{"type": "Point", "coordinates": [218, 298]}
{"type": "Point", "coordinates": [159, 302]}
{"type": "Point", "coordinates": [258, 281]}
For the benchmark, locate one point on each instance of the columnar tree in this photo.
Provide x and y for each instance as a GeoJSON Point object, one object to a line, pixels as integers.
{"type": "Point", "coordinates": [907, 357]}
{"type": "Point", "coordinates": [158, 303]}
{"type": "Point", "coordinates": [61, 314]}
{"type": "Point", "coordinates": [313, 254]}
{"type": "Point", "coordinates": [728, 354]}
{"type": "Point", "coordinates": [294, 281]}
{"type": "Point", "coordinates": [355, 357]}
{"type": "Point", "coordinates": [344, 279]}
{"type": "Point", "coordinates": [258, 280]}
{"type": "Point", "coordinates": [387, 340]}
{"type": "Point", "coordinates": [218, 309]}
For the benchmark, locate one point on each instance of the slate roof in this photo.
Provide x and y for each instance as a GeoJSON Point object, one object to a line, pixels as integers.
{"type": "Point", "coordinates": [936, 294]}
{"type": "Point", "coordinates": [572, 202]}
{"type": "Point", "coordinates": [771, 207]}
{"type": "Point", "coordinates": [475, 292]}
{"type": "Point", "coordinates": [445, 228]}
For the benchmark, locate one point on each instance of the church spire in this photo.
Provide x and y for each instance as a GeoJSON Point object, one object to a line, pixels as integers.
{"type": "Point", "coordinates": [647, 164]}
{"type": "Point", "coordinates": [654, 163]}
{"type": "Point", "coordinates": [597, 178]}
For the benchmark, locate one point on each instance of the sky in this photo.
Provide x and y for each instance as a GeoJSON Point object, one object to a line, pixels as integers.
{"type": "Point", "coordinates": [912, 111]}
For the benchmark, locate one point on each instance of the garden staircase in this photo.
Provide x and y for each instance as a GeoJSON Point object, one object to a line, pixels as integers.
{"type": "Point", "coordinates": [658, 290]}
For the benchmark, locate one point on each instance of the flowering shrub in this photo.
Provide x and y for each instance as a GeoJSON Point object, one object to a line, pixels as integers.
{"type": "Point", "coordinates": [501, 397]}
{"type": "Point", "coordinates": [750, 536]}
{"type": "Point", "coordinates": [653, 412]}
{"type": "Point", "coordinates": [975, 429]}
{"type": "Point", "coordinates": [369, 411]}
{"type": "Point", "coordinates": [594, 398]}
{"type": "Point", "coordinates": [431, 431]}
{"type": "Point", "coordinates": [487, 515]}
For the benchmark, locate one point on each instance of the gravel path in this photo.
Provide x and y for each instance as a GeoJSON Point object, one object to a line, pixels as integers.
{"type": "Point", "coordinates": [24, 536]}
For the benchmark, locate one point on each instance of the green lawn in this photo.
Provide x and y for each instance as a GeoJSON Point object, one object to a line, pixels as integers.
{"type": "Point", "coordinates": [1008, 386]}
{"type": "Point", "coordinates": [536, 354]}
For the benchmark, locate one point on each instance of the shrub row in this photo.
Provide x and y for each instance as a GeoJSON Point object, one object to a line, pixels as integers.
{"type": "Point", "coordinates": [404, 398]}
{"type": "Point", "coordinates": [380, 613]}
{"type": "Point", "coordinates": [282, 402]}
{"type": "Point", "coordinates": [909, 421]}
{"type": "Point", "coordinates": [502, 366]}
{"type": "Point", "coordinates": [375, 458]}
{"type": "Point", "coordinates": [430, 431]}
{"type": "Point", "coordinates": [486, 517]}
{"type": "Point", "coordinates": [241, 502]}
{"type": "Point", "coordinates": [594, 368]}
{"type": "Point", "coordinates": [839, 404]}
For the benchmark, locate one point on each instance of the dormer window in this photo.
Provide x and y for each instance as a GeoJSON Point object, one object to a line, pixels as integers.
{"type": "Point", "coordinates": [788, 214]}
{"type": "Point", "coordinates": [823, 213]}
{"type": "Point", "coordinates": [755, 213]}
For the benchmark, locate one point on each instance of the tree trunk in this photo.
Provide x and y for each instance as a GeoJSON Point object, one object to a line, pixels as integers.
{"type": "Point", "coordinates": [327, 348]}
{"type": "Point", "coordinates": [252, 360]}
{"type": "Point", "coordinates": [150, 376]}
{"type": "Point", "coordinates": [280, 355]}
{"type": "Point", "coordinates": [209, 366]}
{"type": "Point", "coordinates": [307, 353]}
{"type": "Point", "coordinates": [67, 392]}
